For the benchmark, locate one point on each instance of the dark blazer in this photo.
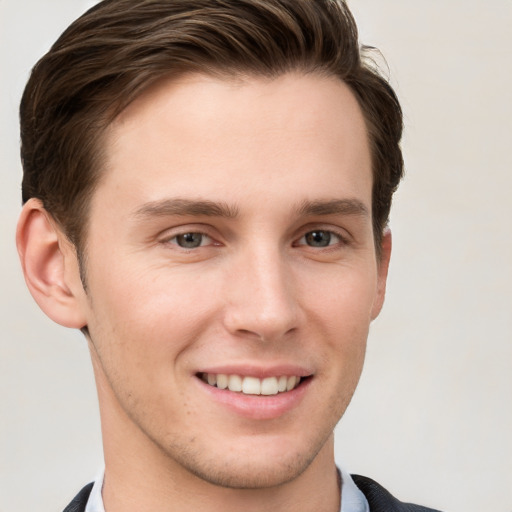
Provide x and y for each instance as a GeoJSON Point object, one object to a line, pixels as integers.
{"type": "Point", "coordinates": [379, 499]}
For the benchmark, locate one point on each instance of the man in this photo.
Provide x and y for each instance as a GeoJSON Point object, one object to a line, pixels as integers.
{"type": "Point", "coordinates": [207, 186]}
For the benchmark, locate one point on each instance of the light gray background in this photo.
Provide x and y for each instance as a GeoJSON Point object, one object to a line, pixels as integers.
{"type": "Point", "coordinates": [432, 418]}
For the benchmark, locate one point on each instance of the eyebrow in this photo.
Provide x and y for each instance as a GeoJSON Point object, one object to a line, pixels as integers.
{"type": "Point", "coordinates": [189, 207]}
{"type": "Point", "coordinates": [333, 207]}
{"type": "Point", "coordinates": [184, 207]}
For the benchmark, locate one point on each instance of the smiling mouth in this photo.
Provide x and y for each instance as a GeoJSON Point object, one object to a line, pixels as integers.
{"type": "Point", "coordinates": [252, 385]}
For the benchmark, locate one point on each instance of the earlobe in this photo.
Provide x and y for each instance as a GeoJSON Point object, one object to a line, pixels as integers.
{"type": "Point", "coordinates": [50, 266]}
{"type": "Point", "coordinates": [382, 273]}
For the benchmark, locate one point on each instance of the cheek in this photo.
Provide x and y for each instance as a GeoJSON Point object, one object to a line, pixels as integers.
{"type": "Point", "coordinates": [137, 320]}
{"type": "Point", "coordinates": [342, 313]}
{"type": "Point", "coordinates": [141, 332]}
{"type": "Point", "coordinates": [343, 299]}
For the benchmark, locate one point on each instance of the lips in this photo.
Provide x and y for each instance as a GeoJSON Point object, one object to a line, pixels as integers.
{"type": "Point", "coordinates": [250, 385]}
{"type": "Point", "coordinates": [254, 392]}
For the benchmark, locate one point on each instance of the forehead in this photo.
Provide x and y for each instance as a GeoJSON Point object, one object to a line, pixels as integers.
{"type": "Point", "coordinates": [199, 135]}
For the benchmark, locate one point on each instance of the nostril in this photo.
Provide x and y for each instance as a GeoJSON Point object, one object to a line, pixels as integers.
{"type": "Point", "coordinates": [265, 334]}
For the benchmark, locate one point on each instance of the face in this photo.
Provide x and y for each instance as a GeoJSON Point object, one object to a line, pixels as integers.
{"type": "Point", "coordinates": [231, 275]}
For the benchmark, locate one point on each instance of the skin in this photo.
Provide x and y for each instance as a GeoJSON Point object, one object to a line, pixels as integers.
{"type": "Point", "coordinates": [258, 294]}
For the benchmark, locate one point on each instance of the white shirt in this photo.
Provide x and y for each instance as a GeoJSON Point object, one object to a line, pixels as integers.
{"type": "Point", "coordinates": [95, 501]}
{"type": "Point", "coordinates": [352, 499]}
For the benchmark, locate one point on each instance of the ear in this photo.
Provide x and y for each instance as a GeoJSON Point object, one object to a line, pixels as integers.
{"type": "Point", "coordinates": [382, 273]}
{"type": "Point", "coordinates": [50, 266]}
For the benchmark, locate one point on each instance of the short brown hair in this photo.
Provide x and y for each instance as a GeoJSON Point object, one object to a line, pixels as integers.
{"type": "Point", "coordinates": [107, 57]}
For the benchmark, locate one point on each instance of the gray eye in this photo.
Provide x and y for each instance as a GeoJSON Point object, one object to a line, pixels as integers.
{"type": "Point", "coordinates": [318, 238]}
{"type": "Point", "coordinates": [189, 240]}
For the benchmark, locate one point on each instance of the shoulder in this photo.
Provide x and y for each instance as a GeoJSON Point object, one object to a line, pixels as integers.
{"type": "Point", "coordinates": [80, 501]}
{"type": "Point", "coordinates": [380, 500]}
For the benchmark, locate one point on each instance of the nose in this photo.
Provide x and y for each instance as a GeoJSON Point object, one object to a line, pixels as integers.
{"type": "Point", "coordinates": [261, 299]}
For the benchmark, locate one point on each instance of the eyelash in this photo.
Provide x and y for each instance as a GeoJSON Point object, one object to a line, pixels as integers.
{"type": "Point", "coordinates": [174, 240]}
{"type": "Point", "coordinates": [341, 240]}
{"type": "Point", "coordinates": [302, 241]}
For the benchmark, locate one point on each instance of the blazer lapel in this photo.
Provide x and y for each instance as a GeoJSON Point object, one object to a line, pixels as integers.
{"type": "Point", "coordinates": [380, 500]}
{"type": "Point", "coordinates": [80, 501]}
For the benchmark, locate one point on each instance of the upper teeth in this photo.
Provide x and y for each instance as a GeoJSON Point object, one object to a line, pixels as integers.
{"type": "Point", "coordinates": [252, 385]}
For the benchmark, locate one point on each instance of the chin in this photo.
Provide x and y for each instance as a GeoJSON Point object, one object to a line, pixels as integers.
{"type": "Point", "coordinates": [257, 465]}
{"type": "Point", "coordinates": [249, 474]}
